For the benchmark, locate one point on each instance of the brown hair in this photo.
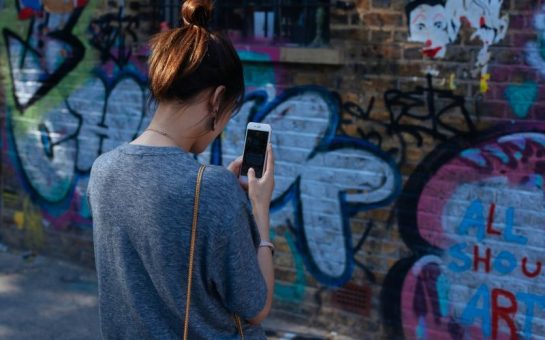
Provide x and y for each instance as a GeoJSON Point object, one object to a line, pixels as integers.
{"type": "Point", "coordinates": [186, 60]}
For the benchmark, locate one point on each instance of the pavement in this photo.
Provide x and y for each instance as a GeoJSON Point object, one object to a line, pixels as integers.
{"type": "Point", "coordinates": [45, 298]}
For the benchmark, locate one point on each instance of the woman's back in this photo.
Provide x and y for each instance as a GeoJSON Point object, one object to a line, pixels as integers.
{"type": "Point", "coordinates": [141, 199]}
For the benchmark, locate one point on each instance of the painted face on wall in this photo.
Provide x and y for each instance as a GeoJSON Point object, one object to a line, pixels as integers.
{"type": "Point", "coordinates": [490, 27]}
{"type": "Point", "coordinates": [429, 25]}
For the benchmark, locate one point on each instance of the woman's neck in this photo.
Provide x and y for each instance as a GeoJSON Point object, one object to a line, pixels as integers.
{"type": "Point", "coordinates": [171, 125]}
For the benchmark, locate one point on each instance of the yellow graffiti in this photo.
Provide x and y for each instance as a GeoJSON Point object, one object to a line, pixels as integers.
{"type": "Point", "coordinates": [19, 218]}
{"type": "Point", "coordinates": [452, 82]}
{"type": "Point", "coordinates": [484, 82]}
{"type": "Point", "coordinates": [30, 221]}
{"type": "Point", "coordinates": [58, 6]}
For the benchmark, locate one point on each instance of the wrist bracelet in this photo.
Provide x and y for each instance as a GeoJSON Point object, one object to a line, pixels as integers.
{"type": "Point", "coordinates": [267, 245]}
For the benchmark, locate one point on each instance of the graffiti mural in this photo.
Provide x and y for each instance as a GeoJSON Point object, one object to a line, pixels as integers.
{"type": "Point", "coordinates": [535, 49]}
{"type": "Point", "coordinates": [309, 151]}
{"type": "Point", "coordinates": [470, 214]}
{"type": "Point", "coordinates": [437, 23]}
{"type": "Point", "coordinates": [53, 152]}
{"type": "Point", "coordinates": [114, 34]}
{"type": "Point", "coordinates": [53, 146]}
{"type": "Point", "coordinates": [489, 25]}
{"type": "Point", "coordinates": [54, 158]}
{"type": "Point", "coordinates": [431, 23]}
{"type": "Point", "coordinates": [48, 52]}
{"type": "Point", "coordinates": [477, 259]}
{"type": "Point", "coordinates": [521, 97]}
{"type": "Point", "coordinates": [28, 220]}
{"type": "Point", "coordinates": [293, 292]}
{"type": "Point", "coordinates": [520, 87]}
{"type": "Point", "coordinates": [426, 111]}
{"type": "Point", "coordinates": [260, 70]}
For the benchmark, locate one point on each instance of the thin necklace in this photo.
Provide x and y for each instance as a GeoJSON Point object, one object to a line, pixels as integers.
{"type": "Point", "coordinates": [163, 133]}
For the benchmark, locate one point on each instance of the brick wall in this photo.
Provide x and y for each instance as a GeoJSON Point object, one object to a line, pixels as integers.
{"type": "Point", "coordinates": [410, 152]}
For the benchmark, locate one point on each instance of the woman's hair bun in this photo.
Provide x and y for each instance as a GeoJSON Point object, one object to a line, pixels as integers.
{"type": "Point", "coordinates": [197, 12]}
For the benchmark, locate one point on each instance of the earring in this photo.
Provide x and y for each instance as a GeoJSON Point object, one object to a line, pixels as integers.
{"type": "Point", "coordinates": [213, 122]}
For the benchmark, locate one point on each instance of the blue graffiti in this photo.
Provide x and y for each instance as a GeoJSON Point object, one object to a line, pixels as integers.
{"type": "Point", "coordinates": [521, 97]}
{"type": "Point", "coordinates": [39, 62]}
{"type": "Point", "coordinates": [53, 155]}
{"type": "Point", "coordinates": [323, 178]}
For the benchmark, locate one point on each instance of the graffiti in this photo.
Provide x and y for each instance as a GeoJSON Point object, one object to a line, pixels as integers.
{"type": "Point", "coordinates": [535, 52]}
{"type": "Point", "coordinates": [521, 97]}
{"type": "Point", "coordinates": [414, 115]}
{"type": "Point", "coordinates": [54, 157]}
{"type": "Point", "coordinates": [53, 152]}
{"type": "Point", "coordinates": [520, 88]}
{"type": "Point", "coordinates": [464, 216]}
{"type": "Point", "coordinates": [430, 22]}
{"type": "Point", "coordinates": [49, 48]}
{"type": "Point", "coordinates": [114, 35]}
{"type": "Point", "coordinates": [61, 148]}
{"type": "Point", "coordinates": [53, 147]}
{"type": "Point", "coordinates": [309, 152]}
{"type": "Point", "coordinates": [490, 27]}
{"type": "Point", "coordinates": [483, 83]}
{"type": "Point", "coordinates": [292, 292]}
{"type": "Point", "coordinates": [437, 23]}
{"type": "Point", "coordinates": [258, 75]}
{"type": "Point", "coordinates": [29, 220]}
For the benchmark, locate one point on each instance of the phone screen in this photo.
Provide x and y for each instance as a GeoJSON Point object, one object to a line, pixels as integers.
{"type": "Point", "coordinates": [254, 152]}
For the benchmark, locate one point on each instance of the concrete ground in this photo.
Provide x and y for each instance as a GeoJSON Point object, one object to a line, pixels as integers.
{"type": "Point", "coordinates": [43, 298]}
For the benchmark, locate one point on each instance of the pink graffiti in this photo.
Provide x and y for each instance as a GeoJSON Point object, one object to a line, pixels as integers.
{"type": "Point", "coordinates": [498, 159]}
{"type": "Point", "coordinates": [466, 293]}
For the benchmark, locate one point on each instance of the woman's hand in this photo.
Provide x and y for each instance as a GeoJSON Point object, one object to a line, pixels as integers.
{"type": "Point", "coordinates": [234, 167]}
{"type": "Point", "coordinates": [260, 192]}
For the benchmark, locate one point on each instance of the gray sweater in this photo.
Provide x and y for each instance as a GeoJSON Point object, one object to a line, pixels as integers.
{"type": "Point", "coordinates": [141, 199]}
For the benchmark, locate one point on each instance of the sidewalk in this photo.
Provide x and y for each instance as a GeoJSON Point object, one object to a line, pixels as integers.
{"type": "Point", "coordinates": [44, 298]}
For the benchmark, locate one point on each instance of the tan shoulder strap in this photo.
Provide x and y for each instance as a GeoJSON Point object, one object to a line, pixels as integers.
{"type": "Point", "coordinates": [192, 248]}
{"type": "Point", "coordinates": [191, 255]}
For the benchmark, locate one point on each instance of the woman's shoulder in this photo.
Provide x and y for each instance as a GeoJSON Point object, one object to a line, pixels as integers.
{"type": "Point", "coordinates": [223, 185]}
{"type": "Point", "coordinates": [103, 162]}
{"type": "Point", "coordinates": [220, 178]}
{"type": "Point", "coordinates": [227, 204]}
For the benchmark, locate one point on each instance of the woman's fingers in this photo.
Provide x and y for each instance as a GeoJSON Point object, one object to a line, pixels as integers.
{"type": "Point", "coordinates": [251, 175]}
{"type": "Point", "coordinates": [243, 185]}
{"type": "Point", "coordinates": [235, 165]}
{"type": "Point", "coordinates": [269, 171]}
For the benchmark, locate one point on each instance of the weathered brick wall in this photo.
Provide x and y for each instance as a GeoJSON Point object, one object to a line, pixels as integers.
{"type": "Point", "coordinates": [410, 156]}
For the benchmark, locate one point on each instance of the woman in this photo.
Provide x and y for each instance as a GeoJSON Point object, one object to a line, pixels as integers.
{"type": "Point", "coordinates": [142, 194]}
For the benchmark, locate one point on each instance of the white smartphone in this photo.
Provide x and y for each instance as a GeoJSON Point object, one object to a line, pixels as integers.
{"type": "Point", "coordinates": [258, 136]}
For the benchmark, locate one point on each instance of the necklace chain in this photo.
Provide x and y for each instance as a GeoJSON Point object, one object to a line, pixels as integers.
{"type": "Point", "coordinates": [163, 133]}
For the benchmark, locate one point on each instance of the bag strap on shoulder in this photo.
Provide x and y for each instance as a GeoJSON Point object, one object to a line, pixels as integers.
{"type": "Point", "coordinates": [192, 253]}
{"type": "Point", "coordinates": [192, 248]}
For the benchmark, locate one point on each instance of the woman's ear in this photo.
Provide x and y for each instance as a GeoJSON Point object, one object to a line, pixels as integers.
{"type": "Point", "coordinates": [215, 100]}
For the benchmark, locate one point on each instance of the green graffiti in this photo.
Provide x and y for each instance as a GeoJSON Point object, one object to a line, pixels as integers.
{"type": "Point", "coordinates": [292, 292]}
{"type": "Point", "coordinates": [258, 69]}
{"type": "Point", "coordinates": [23, 125]}
{"type": "Point", "coordinates": [521, 97]}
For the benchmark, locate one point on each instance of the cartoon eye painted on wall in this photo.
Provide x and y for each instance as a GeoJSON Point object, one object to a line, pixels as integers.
{"type": "Point", "coordinates": [421, 26]}
{"type": "Point", "coordinates": [440, 25]}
